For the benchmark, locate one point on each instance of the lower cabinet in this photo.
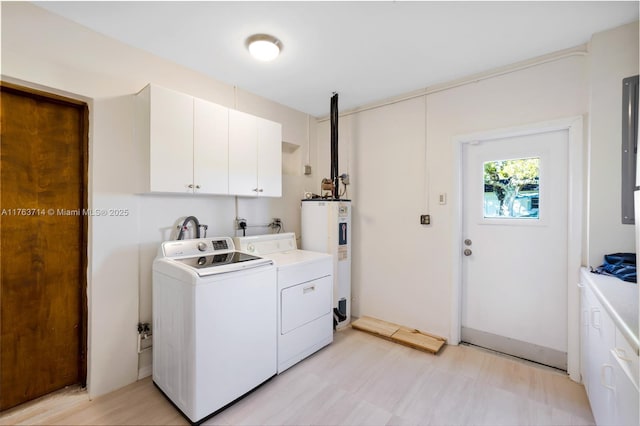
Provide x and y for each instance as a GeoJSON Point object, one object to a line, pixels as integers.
{"type": "Point", "coordinates": [623, 392]}
{"type": "Point", "coordinates": [607, 365]}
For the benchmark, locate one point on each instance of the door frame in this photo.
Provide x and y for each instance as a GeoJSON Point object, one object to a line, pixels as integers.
{"type": "Point", "coordinates": [575, 208]}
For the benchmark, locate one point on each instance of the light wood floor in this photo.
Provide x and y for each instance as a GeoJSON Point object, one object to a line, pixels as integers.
{"type": "Point", "coordinates": [358, 380]}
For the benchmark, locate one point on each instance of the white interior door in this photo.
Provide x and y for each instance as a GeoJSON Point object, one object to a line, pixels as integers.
{"type": "Point", "coordinates": [514, 272]}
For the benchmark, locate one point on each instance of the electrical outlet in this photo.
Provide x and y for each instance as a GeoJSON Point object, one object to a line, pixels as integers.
{"type": "Point", "coordinates": [425, 219]}
{"type": "Point", "coordinates": [276, 223]}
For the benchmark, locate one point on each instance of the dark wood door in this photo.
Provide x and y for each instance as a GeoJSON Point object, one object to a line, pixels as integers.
{"type": "Point", "coordinates": [43, 151]}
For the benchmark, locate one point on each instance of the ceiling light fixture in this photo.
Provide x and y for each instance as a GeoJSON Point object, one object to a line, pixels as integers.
{"type": "Point", "coordinates": [264, 47]}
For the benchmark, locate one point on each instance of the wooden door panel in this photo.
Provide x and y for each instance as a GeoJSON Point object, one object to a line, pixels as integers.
{"type": "Point", "coordinates": [43, 291]}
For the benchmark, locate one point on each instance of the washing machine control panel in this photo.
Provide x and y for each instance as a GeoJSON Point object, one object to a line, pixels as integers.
{"type": "Point", "coordinates": [196, 247]}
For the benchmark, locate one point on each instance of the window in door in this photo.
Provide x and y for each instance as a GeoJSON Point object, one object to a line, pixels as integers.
{"type": "Point", "coordinates": [512, 188]}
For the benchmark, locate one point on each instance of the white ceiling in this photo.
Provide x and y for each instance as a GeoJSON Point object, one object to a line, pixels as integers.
{"type": "Point", "coordinates": [365, 51]}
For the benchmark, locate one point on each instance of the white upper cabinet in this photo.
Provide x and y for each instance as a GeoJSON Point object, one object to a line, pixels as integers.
{"type": "Point", "coordinates": [269, 158]}
{"type": "Point", "coordinates": [164, 127]}
{"type": "Point", "coordinates": [195, 146]}
{"type": "Point", "coordinates": [243, 158]}
{"type": "Point", "coordinates": [255, 156]}
{"type": "Point", "coordinates": [186, 141]}
{"type": "Point", "coordinates": [210, 148]}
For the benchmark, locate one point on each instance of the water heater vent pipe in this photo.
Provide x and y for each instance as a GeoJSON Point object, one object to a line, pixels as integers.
{"type": "Point", "coordinates": [334, 145]}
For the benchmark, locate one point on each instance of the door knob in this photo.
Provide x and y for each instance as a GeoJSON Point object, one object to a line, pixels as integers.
{"type": "Point", "coordinates": [467, 252]}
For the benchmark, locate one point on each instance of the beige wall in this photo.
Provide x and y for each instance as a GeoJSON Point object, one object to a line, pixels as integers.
{"type": "Point", "coordinates": [43, 50]}
{"type": "Point", "coordinates": [401, 157]}
{"type": "Point", "coordinates": [613, 56]}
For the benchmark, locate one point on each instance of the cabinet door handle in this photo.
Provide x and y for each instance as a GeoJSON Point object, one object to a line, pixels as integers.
{"type": "Point", "coordinates": [260, 190]}
{"type": "Point", "coordinates": [594, 323]}
{"type": "Point", "coordinates": [255, 189]}
{"type": "Point", "coordinates": [603, 376]}
{"type": "Point", "coordinates": [197, 186]}
{"type": "Point", "coordinates": [190, 186]}
{"type": "Point", "coordinates": [620, 353]}
{"type": "Point", "coordinates": [308, 289]}
{"type": "Point", "coordinates": [585, 317]}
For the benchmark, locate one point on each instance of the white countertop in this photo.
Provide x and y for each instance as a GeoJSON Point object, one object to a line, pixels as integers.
{"type": "Point", "coordinates": [620, 299]}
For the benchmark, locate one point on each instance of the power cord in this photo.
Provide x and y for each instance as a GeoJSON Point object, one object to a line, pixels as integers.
{"type": "Point", "coordinates": [242, 224]}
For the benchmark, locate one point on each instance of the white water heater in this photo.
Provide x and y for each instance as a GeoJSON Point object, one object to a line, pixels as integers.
{"type": "Point", "coordinates": [326, 228]}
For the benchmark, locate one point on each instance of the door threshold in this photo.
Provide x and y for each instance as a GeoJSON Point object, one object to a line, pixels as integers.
{"type": "Point", "coordinates": [43, 407]}
{"type": "Point", "coordinates": [516, 358]}
{"type": "Point", "coordinates": [517, 348]}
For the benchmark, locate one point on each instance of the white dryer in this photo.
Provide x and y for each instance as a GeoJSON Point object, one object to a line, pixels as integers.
{"type": "Point", "coordinates": [305, 294]}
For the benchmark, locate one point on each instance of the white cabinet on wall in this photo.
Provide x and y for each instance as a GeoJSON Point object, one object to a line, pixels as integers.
{"type": "Point", "coordinates": [255, 156]}
{"type": "Point", "coordinates": [210, 148]}
{"type": "Point", "coordinates": [164, 127]}
{"type": "Point", "coordinates": [185, 141]}
{"type": "Point", "coordinates": [609, 365]}
{"type": "Point", "coordinates": [269, 158]}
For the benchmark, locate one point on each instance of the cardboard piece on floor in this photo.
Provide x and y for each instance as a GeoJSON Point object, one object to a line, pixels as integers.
{"type": "Point", "coordinates": [399, 334]}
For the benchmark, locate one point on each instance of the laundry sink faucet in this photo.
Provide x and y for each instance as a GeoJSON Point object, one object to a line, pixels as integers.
{"type": "Point", "coordinates": [196, 226]}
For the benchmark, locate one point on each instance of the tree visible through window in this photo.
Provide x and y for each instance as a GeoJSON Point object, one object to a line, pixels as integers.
{"type": "Point", "coordinates": [511, 188]}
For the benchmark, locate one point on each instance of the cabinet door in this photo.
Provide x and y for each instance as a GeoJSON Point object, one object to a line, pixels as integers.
{"type": "Point", "coordinates": [584, 336]}
{"type": "Point", "coordinates": [625, 393]}
{"type": "Point", "coordinates": [210, 148]}
{"type": "Point", "coordinates": [243, 154]}
{"type": "Point", "coordinates": [170, 141]}
{"type": "Point", "coordinates": [269, 158]}
{"type": "Point", "coordinates": [601, 341]}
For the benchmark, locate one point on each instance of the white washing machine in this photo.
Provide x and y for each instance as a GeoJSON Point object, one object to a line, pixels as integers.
{"type": "Point", "coordinates": [305, 294]}
{"type": "Point", "coordinates": [214, 324]}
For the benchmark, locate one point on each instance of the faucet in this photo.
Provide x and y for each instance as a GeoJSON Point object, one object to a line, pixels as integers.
{"type": "Point", "coordinates": [196, 224]}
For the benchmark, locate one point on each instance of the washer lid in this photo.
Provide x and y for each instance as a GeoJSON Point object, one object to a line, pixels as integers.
{"type": "Point", "coordinates": [207, 256]}
{"type": "Point", "coordinates": [214, 260]}
{"type": "Point", "coordinates": [222, 263]}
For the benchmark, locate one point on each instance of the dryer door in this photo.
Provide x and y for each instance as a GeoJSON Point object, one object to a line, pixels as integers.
{"type": "Point", "coordinates": [303, 303]}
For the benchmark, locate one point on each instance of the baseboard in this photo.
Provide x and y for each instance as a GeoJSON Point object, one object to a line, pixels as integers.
{"type": "Point", "coordinates": [145, 371]}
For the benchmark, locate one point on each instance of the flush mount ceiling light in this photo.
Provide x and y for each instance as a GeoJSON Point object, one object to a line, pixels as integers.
{"type": "Point", "coordinates": [264, 47]}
